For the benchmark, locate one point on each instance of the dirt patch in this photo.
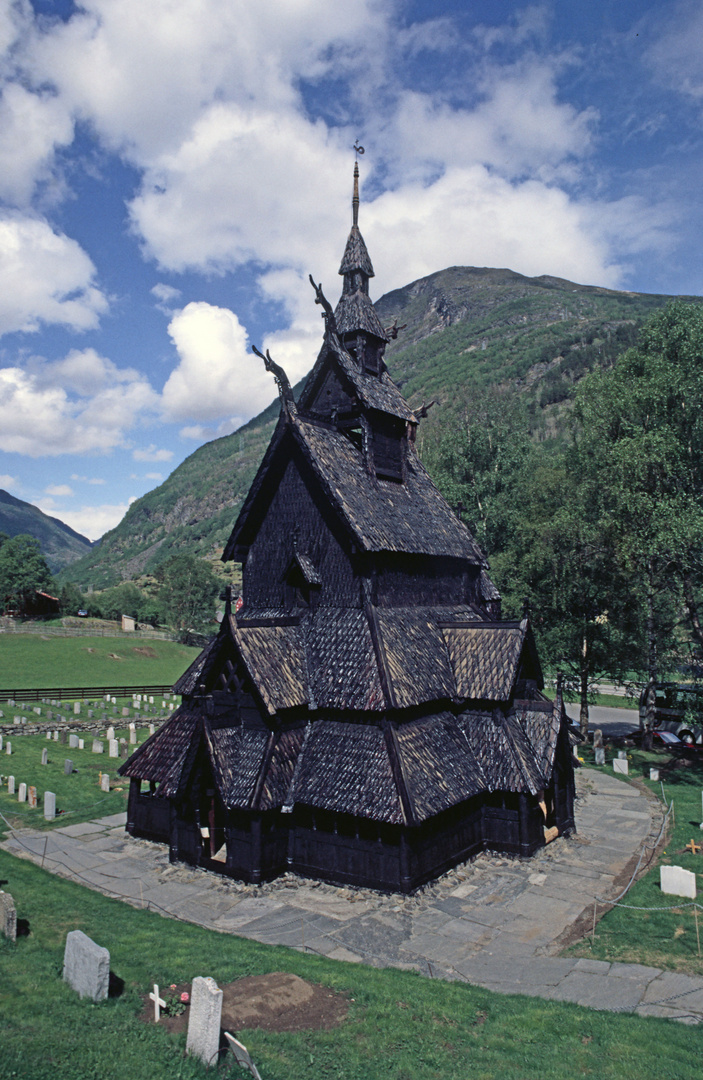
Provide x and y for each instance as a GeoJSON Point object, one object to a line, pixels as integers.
{"type": "Point", "coordinates": [274, 1002]}
{"type": "Point", "coordinates": [114, 656]}
{"type": "Point", "coordinates": [147, 651]}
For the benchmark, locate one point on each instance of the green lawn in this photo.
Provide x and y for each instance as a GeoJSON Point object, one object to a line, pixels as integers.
{"type": "Point", "coordinates": [28, 660]}
{"type": "Point", "coordinates": [401, 1026]}
{"type": "Point", "coordinates": [665, 939]}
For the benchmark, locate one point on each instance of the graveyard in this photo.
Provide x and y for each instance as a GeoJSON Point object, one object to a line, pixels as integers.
{"type": "Point", "coordinates": [398, 1024]}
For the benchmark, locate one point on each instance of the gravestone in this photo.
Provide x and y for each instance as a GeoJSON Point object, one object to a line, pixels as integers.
{"type": "Point", "coordinates": [22, 794]}
{"type": "Point", "coordinates": [132, 737]}
{"type": "Point", "coordinates": [678, 882]}
{"type": "Point", "coordinates": [125, 710]}
{"type": "Point", "coordinates": [104, 782]}
{"type": "Point", "coordinates": [63, 737]}
{"type": "Point", "coordinates": [124, 750]}
{"type": "Point", "coordinates": [32, 797]}
{"type": "Point", "coordinates": [81, 744]}
{"type": "Point", "coordinates": [8, 748]}
{"type": "Point", "coordinates": [10, 785]}
{"type": "Point", "coordinates": [73, 742]}
{"type": "Point", "coordinates": [45, 756]}
{"type": "Point", "coordinates": [113, 748]}
{"type": "Point", "coordinates": [622, 754]}
{"type": "Point", "coordinates": [620, 766]}
{"type": "Point", "coordinates": [242, 1055]}
{"type": "Point", "coordinates": [110, 733]}
{"type": "Point", "coordinates": [151, 701]}
{"type": "Point", "coordinates": [67, 767]}
{"type": "Point", "coordinates": [8, 916]}
{"type": "Point", "coordinates": [48, 734]}
{"type": "Point", "coordinates": [16, 719]}
{"type": "Point", "coordinates": [204, 1021]}
{"type": "Point", "coordinates": [600, 755]}
{"type": "Point", "coordinates": [597, 738]}
{"type": "Point", "coordinates": [49, 805]}
{"type": "Point", "coordinates": [86, 966]}
{"type": "Point", "coordinates": [97, 746]}
{"type": "Point", "coordinates": [654, 774]}
{"type": "Point", "coordinates": [76, 708]}
{"type": "Point", "coordinates": [152, 729]}
{"type": "Point", "coordinates": [90, 714]}
{"type": "Point", "coordinates": [56, 736]}
{"type": "Point", "coordinates": [0, 742]}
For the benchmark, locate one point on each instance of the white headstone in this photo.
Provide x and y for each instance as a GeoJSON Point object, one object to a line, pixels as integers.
{"type": "Point", "coordinates": [110, 734]}
{"type": "Point", "coordinates": [8, 748]}
{"type": "Point", "coordinates": [678, 882]}
{"type": "Point", "coordinates": [22, 796]}
{"type": "Point", "coordinates": [98, 747]}
{"type": "Point", "coordinates": [125, 710]}
{"type": "Point", "coordinates": [86, 966]}
{"type": "Point", "coordinates": [654, 774]}
{"type": "Point", "coordinates": [48, 735]}
{"type": "Point", "coordinates": [49, 805]}
{"type": "Point", "coordinates": [56, 736]}
{"type": "Point", "coordinates": [152, 729]}
{"type": "Point", "coordinates": [81, 744]}
{"type": "Point", "coordinates": [73, 741]}
{"type": "Point", "coordinates": [151, 701]}
{"type": "Point", "coordinates": [10, 785]}
{"type": "Point", "coordinates": [76, 708]}
{"type": "Point", "coordinates": [113, 748]}
{"type": "Point", "coordinates": [204, 1021]}
{"type": "Point", "coordinates": [104, 782]}
{"type": "Point", "coordinates": [133, 737]}
{"type": "Point", "coordinates": [0, 742]}
{"type": "Point", "coordinates": [159, 1004]}
{"type": "Point", "coordinates": [45, 756]}
{"type": "Point", "coordinates": [600, 755]}
{"type": "Point", "coordinates": [620, 766]}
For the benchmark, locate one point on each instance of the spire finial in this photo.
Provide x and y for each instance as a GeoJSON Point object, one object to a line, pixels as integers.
{"type": "Point", "coordinates": [355, 198]}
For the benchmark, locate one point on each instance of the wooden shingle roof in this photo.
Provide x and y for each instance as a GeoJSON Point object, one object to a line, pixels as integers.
{"type": "Point", "coordinates": [500, 744]}
{"type": "Point", "coordinates": [485, 659]}
{"type": "Point", "coordinates": [274, 656]}
{"type": "Point", "coordinates": [162, 757]}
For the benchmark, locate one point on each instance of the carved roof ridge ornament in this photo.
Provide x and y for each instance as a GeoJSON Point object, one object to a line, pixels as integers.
{"type": "Point", "coordinates": [327, 310]}
{"type": "Point", "coordinates": [282, 381]}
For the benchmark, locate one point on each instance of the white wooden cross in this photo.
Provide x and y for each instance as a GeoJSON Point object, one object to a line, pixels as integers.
{"type": "Point", "coordinates": [159, 1004]}
{"type": "Point", "coordinates": [242, 1055]}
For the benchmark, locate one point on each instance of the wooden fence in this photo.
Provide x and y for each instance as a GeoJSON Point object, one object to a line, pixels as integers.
{"type": "Point", "coordinates": [72, 693]}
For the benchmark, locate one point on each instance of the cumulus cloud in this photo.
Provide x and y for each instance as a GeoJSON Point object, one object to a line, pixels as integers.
{"type": "Point", "coordinates": [32, 126]}
{"type": "Point", "coordinates": [151, 453]}
{"type": "Point", "coordinates": [7, 481]}
{"type": "Point", "coordinates": [81, 404]}
{"type": "Point", "coordinates": [217, 375]}
{"type": "Point", "coordinates": [90, 521]}
{"type": "Point", "coordinates": [45, 277]}
{"type": "Point", "coordinates": [59, 489]}
{"type": "Point", "coordinates": [96, 480]}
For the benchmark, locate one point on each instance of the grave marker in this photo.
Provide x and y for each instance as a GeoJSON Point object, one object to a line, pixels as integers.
{"type": "Point", "coordinates": [110, 733]}
{"type": "Point", "coordinates": [132, 737]}
{"type": "Point", "coordinates": [86, 966]}
{"type": "Point", "coordinates": [8, 748]}
{"type": "Point", "coordinates": [49, 805]}
{"type": "Point", "coordinates": [242, 1055]}
{"type": "Point", "coordinates": [97, 746]}
{"type": "Point", "coordinates": [105, 782]}
{"type": "Point", "coordinates": [113, 748]}
{"type": "Point", "coordinates": [10, 785]}
{"type": "Point", "coordinates": [0, 742]}
{"type": "Point", "coordinates": [76, 708]}
{"type": "Point", "coordinates": [32, 797]}
{"type": "Point", "coordinates": [654, 774]}
{"type": "Point", "coordinates": [600, 756]}
{"type": "Point", "coordinates": [8, 916]}
{"type": "Point", "coordinates": [67, 767]}
{"type": "Point", "coordinates": [22, 795]}
{"type": "Point", "coordinates": [73, 742]}
{"type": "Point", "coordinates": [56, 736]}
{"type": "Point", "coordinates": [678, 882]}
{"type": "Point", "coordinates": [159, 1004]}
{"type": "Point", "coordinates": [45, 756]}
{"type": "Point", "coordinates": [204, 1021]}
{"type": "Point", "coordinates": [620, 766]}
{"type": "Point", "coordinates": [81, 744]}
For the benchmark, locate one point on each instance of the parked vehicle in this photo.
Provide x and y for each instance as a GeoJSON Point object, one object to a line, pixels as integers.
{"type": "Point", "coordinates": [679, 709]}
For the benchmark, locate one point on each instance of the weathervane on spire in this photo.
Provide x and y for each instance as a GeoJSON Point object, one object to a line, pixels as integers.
{"type": "Point", "coordinates": [359, 150]}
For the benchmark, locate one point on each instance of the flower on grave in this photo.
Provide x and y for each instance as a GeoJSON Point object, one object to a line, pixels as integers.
{"type": "Point", "coordinates": [185, 998]}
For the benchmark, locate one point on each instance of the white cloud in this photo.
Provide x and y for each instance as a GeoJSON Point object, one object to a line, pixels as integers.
{"type": "Point", "coordinates": [7, 481]}
{"type": "Point", "coordinates": [45, 277]}
{"type": "Point", "coordinates": [675, 54]}
{"type": "Point", "coordinates": [81, 404]}
{"type": "Point", "coordinates": [150, 453]}
{"type": "Point", "coordinates": [217, 375]}
{"type": "Point", "coordinates": [59, 489]}
{"type": "Point", "coordinates": [32, 126]}
{"type": "Point", "coordinates": [166, 297]}
{"type": "Point", "coordinates": [97, 480]}
{"type": "Point", "coordinates": [90, 521]}
{"type": "Point", "coordinates": [153, 476]}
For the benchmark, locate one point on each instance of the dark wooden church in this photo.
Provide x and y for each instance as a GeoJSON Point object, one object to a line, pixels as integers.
{"type": "Point", "coordinates": [365, 717]}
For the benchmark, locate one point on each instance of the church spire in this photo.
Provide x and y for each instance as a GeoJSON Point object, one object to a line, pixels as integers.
{"type": "Point", "coordinates": [355, 312]}
{"type": "Point", "coordinates": [355, 196]}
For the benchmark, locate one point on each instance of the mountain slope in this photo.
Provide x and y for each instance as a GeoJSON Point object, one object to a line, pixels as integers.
{"type": "Point", "coordinates": [60, 544]}
{"type": "Point", "coordinates": [467, 329]}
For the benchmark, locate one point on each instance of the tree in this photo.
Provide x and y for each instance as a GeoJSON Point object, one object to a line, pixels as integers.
{"type": "Point", "coordinates": [187, 594]}
{"type": "Point", "coordinates": [23, 572]}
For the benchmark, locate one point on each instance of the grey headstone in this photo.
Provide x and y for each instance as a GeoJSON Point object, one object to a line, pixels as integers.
{"type": "Point", "coordinates": [204, 1021]}
{"type": "Point", "coordinates": [67, 767]}
{"type": "Point", "coordinates": [56, 736]}
{"type": "Point", "coordinates": [98, 747]}
{"type": "Point", "coordinates": [45, 756]}
{"type": "Point", "coordinates": [678, 882]}
{"type": "Point", "coordinates": [125, 710]}
{"type": "Point", "coordinates": [124, 750]}
{"type": "Point", "coordinates": [49, 805]}
{"type": "Point", "coordinates": [110, 734]}
{"type": "Point", "coordinates": [76, 708]}
{"type": "Point", "coordinates": [90, 714]}
{"type": "Point", "coordinates": [22, 794]}
{"type": "Point", "coordinates": [622, 754]}
{"type": "Point", "coordinates": [8, 916]}
{"type": "Point", "coordinates": [73, 742]}
{"type": "Point", "coordinates": [0, 742]}
{"type": "Point", "coordinates": [16, 719]}
{"type": "Point", "coordinates": [105, 782]}
{"type": "Point", "coordinates": [8, 748]}
{"type": "Point", "coordinates": [63, 737]}
{"type": "Point", "coordinates": [113, 749]}
{"type": "Point", "coordinates": [10, 785]}
{"type": "Point", "coordinates": [86, 966]}
{"type": "Point", "coordinates": [132, 737]}
{"type": "Point", "coordinates": [600, 755]}
{"type": "Point", "coordinates": [620, 766]}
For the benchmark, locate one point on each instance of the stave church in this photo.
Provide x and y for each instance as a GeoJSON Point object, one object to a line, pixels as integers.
{"type": "Point", "coordinates": [364, 716]}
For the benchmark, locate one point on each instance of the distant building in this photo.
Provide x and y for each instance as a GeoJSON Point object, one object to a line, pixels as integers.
{"type": "Point", "coordinates": [128, 623]}
{"type": "Point", "coordinates": [365, 716]}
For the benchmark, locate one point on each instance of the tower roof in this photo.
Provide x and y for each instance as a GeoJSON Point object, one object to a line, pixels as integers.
{"type": "Point", "coordinates": [355, 312]}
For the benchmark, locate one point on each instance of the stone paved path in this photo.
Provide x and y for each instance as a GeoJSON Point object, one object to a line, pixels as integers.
{"type": "Point", "coordinates": [495, 922]}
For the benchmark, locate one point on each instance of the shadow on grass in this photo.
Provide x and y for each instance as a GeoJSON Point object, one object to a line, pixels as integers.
{"type": "Point", "coordinates": [115, 986]}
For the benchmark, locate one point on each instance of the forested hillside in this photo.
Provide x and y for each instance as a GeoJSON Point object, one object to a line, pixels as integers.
{"type": "Point", "coordinates": [469, 333]}
{"type": "Point", "coordinates": [60, 544]}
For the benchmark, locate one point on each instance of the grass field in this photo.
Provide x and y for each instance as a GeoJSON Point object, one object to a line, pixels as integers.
{"type": "Point", "coordinates": [28, 660]}
{"type": "Point", "coordinates": [401, 1026]}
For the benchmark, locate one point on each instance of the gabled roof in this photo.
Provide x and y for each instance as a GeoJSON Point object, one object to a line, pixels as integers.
{"type": "Point", "coordinates": [486, 658]}
{"type": "Point", "coordinates": [500, 744]}
{"type": "Point", "coordinates": [377, 392]}
{"type": "Point", "coordinates": [355, 311]}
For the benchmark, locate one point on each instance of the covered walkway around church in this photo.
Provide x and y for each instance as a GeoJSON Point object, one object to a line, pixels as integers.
{"type": "Point", "coordinates": [496, 922]}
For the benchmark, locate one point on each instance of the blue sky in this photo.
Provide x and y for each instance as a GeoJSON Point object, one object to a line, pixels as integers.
{"type": "Point", "coordinates": [172, 170]}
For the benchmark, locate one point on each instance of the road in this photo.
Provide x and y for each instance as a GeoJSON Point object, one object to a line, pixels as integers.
{"type": "Point", "coordinates": [615, 723]}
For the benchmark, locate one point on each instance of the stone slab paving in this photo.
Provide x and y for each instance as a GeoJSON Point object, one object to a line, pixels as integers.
{"type": "Point", "coordinates": [495, 922]}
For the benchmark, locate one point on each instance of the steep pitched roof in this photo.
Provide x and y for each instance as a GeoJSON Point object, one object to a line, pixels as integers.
{"type": "Point", "coordinates": [356, 256]}
{"type": "Point", "coordinates": [485, 659]}
{"type": "Point", "coordinates": [372, 391]}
